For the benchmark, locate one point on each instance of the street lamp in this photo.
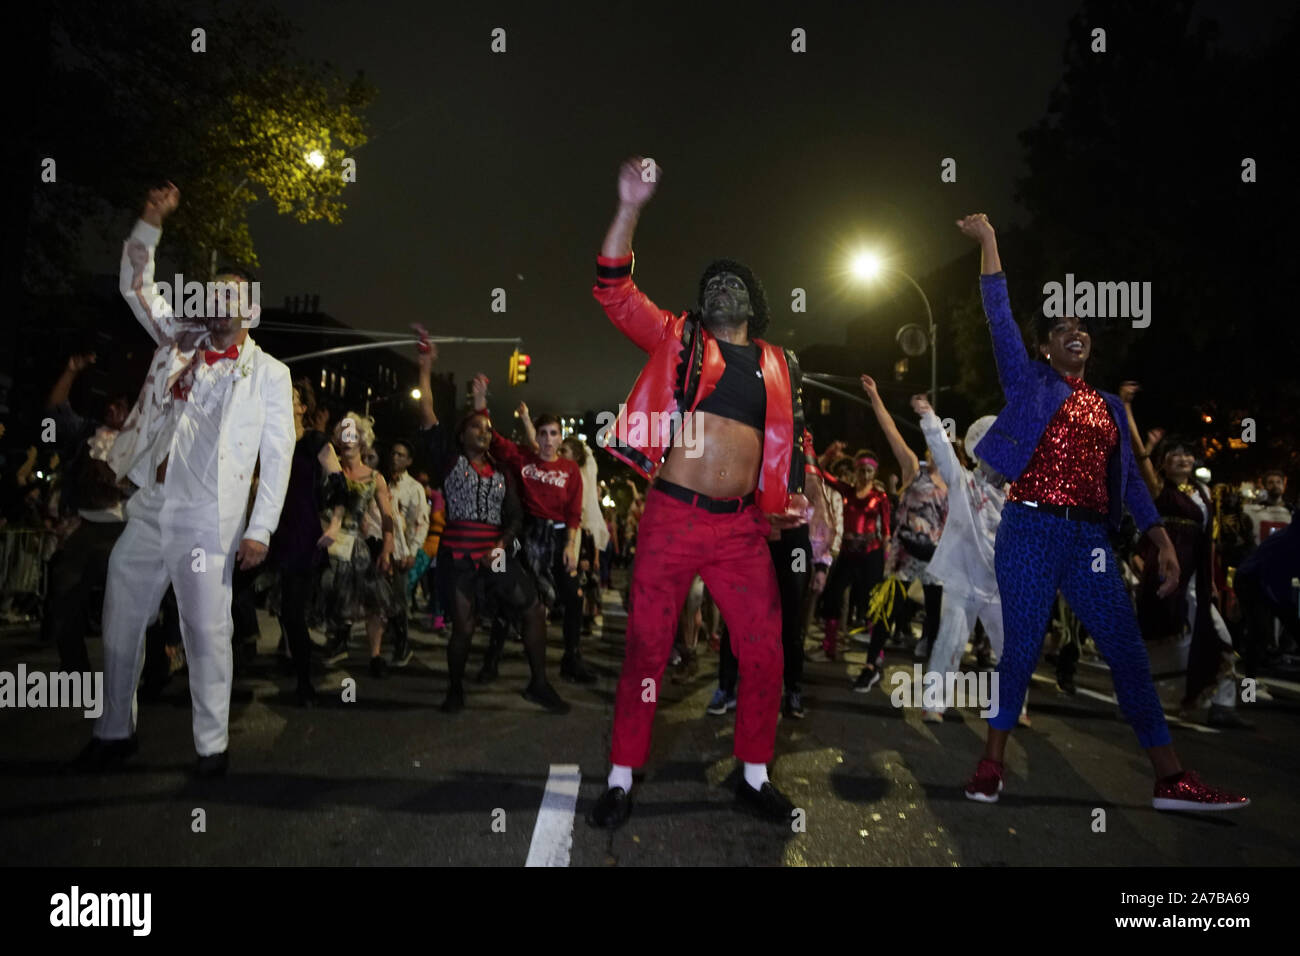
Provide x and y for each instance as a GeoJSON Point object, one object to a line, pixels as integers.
{"type": "Point", "coordinates": [866, 267]}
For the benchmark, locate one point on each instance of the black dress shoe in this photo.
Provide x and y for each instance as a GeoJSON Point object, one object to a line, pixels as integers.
{"type": "Point", "coordinates": [574, 668]}
{"type": "Point", "coordinates": [611, 810]}
{"type": "Point", "coordinates": [100, 756]}
{"type": "Point", "coordinates": [766, 802]}
{"type": "Point", "coordinates": [213, 765]}
{"type": "Point", "coordinates": [545, 696]}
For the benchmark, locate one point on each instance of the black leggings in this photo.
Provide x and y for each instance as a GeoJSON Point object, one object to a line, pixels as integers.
{"type": "Point", "coordinates": [902, 619]}
{"type": "Point", "coordinates": [511, 591]}
{"type": "Point", "coordinates": [857, 574]}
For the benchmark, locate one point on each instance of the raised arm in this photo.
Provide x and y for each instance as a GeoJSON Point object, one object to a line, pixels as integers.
{"type": "Point", "coordinates": [135, 274]}
{"type": "Point", "coordinates": [627, 306]}
{"type": "Point", "coordinates": [530, 433]}
{"type": "Point", "coordinates": [1140, 452]}
{"type": "Point", "coordinates": [424, 361]}
{"type": "Point", "coordinates": [908, 465]}
{"type": "Point", "coordinates": [1013, 361]}
{"type": "Point", "coordinates": [936, 439]}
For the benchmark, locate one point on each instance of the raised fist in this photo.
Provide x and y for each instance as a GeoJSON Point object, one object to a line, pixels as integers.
{"type": "Point", "coordinates": [160, 203]}
{"type": "Point", "coordinates": [637, 179]}
{"type": "Point", "coordinates": [976, 226]}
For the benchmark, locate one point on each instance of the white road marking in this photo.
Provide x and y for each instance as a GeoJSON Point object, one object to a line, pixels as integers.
{"type": "Point", "coordinates": [553, 834]}
{"type": "Point", "coordinates": [1110, 699]}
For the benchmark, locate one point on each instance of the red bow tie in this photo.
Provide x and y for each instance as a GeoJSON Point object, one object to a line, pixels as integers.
{"type": "Point", "coordinates": [212, 358]}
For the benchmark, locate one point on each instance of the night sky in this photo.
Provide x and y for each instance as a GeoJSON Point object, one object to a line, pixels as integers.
{"type": "Point", "coordinates": [498, 170]}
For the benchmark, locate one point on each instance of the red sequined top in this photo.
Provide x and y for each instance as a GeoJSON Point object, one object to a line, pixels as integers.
{"type": "Point", "coordinates": [1069, 465]}
{"type": "Point", "coordinates": [866, 519]}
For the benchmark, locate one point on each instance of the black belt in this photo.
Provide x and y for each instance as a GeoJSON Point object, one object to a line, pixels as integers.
{"type": "Point", "coordinates": [1068, 512]}
{"type": "Point", "coordinates": [717, 506]}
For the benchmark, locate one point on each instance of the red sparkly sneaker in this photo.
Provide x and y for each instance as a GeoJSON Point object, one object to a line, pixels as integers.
{"type": "Point", "coordinates": [1187, 792]}
{"type": "Point", "coordinates": [987, 782]}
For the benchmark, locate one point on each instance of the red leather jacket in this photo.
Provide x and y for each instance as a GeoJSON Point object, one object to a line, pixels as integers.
{"type": "Point", "coordinates": [684, 367]}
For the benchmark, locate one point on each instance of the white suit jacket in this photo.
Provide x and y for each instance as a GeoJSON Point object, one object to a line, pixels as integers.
{"type": "Point", "coordinates": [256, 411]}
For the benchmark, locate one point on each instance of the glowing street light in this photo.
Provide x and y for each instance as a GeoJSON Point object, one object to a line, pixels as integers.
{"type": "Point", "coordinates": [415, 394]}
{"type": "Point", "coordinates": [867, 266]}
{"type": "Point", "coordinates": [316, 159]}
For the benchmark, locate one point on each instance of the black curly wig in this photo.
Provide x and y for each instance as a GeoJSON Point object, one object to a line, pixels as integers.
{"type": "Point", "coordinates": [757, 297]}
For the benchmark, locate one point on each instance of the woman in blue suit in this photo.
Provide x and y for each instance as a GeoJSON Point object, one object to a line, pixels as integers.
{"type": "Point", "coordinates": [1058, 441]}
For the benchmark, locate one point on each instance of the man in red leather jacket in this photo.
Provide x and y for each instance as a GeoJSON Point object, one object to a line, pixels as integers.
{"type": "Point", "coordinates": [712, 420]}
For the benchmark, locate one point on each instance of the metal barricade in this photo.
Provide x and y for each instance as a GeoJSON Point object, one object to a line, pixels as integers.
{"type": "Point", "coordinates": [24, 576]}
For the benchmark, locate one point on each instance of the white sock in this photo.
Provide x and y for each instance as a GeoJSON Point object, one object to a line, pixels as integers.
{"type": "Point", "coordinates": [756, 775]}
{"type": "Point", "coordinates": [620, 776]}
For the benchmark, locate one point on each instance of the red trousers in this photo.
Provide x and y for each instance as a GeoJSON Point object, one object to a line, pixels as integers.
{"type": "Point", "coordinates": [675, 542]}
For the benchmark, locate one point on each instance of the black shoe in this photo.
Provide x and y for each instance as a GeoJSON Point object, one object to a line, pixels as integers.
{"type": "Point", "coordinates": [378, 667]}
{"type": "Point", "coordinates": [488, 672]}
{"type": "Point", "coordinates": [1228, 718]}
{"type": "Point", "coordinates": [455, 701]}
{"type": "Point", "coordinates": [1065, 684]}
{"type": "Point", "coordinates": [545, 696]}
{"type": "Point", "coordinates": [574, 668]}
{"type": "Point", "coordinates": [611, 810]}
{"type": "Point", "coordinates": [305, 696]}
{"type": "Point", "coordinates": [213, 765]}
{"type": "Point", "coordinates": [100, 756]}
{"type": "Point", "coordinates": [402, 654]}
{"type": "Point", "coordinates": [794, 706]}
{"type": "Point", "coordinates": [768, 802]}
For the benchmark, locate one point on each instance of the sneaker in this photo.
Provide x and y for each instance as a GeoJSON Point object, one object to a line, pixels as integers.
{"type": "Point", "coordinates": [1065, 684]}
{"type": "Point", "coordinates": [794, 706]}
{"type": "Point", "coordinates": [1262, 693]}
{"type": "Point", "coordinates": [1227, 718]}
{"type": "Point", "coordinates": [986, 784]}
{"type": "Point", "coordinates": [335, 652]}
{"type": "Point", "coordinates": [819, 656]}
{"type": "Point", "coordinates": [868, 679]}
{"type": "Point", "coordinates": [721, 703]}
{"type": "Point", "coordinates": [1186, 792]}
{"type": "Point", "coordinates": [403, 656]}
{"type": "Point", "coordinates": [676, 658]}
{"type": "Point", "coordinates": [932, 716]}
{"type": "Point", "coordinates": [378, 667]}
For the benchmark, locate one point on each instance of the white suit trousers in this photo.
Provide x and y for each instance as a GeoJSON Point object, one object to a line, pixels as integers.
{"type": "Point", "coordinates": [956, 622]}
{"type": "Point", "coordinates": [163, 544]}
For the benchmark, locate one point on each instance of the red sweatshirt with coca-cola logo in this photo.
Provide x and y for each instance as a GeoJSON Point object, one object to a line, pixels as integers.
{"type": "Point", "coordinates": [549, 489]}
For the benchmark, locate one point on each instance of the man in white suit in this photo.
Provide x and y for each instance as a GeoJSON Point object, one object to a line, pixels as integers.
{"type": "Point", "coordinates": [212, 405]}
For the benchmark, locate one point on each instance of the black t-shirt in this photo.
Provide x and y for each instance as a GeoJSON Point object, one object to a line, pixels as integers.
{"type": "Point", "coordinates": [740, 393]}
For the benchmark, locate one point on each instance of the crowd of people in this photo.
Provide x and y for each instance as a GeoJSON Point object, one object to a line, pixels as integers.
{"type": "Point", "coordinates": [225, 485]}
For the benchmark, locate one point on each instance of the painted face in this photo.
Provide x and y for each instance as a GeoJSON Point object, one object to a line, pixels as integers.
{"type": "Point", "coordinates": [1069, 344]}
{"type": "Point", "coordinates": [548, 440]}
{"type": "Point", "coordinates": [229, 303]}
{"type": "Point", "coordinates": [864, 472]}
{"type": "Point", "coordinates": [726, 299]}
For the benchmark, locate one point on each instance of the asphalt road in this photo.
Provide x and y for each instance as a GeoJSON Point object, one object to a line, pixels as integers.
{"type": "Point", "coordinates": [391, 780]}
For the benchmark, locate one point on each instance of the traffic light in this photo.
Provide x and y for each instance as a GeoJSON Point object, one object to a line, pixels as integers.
{"type": "Point", "coordinates": [519, 367]}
